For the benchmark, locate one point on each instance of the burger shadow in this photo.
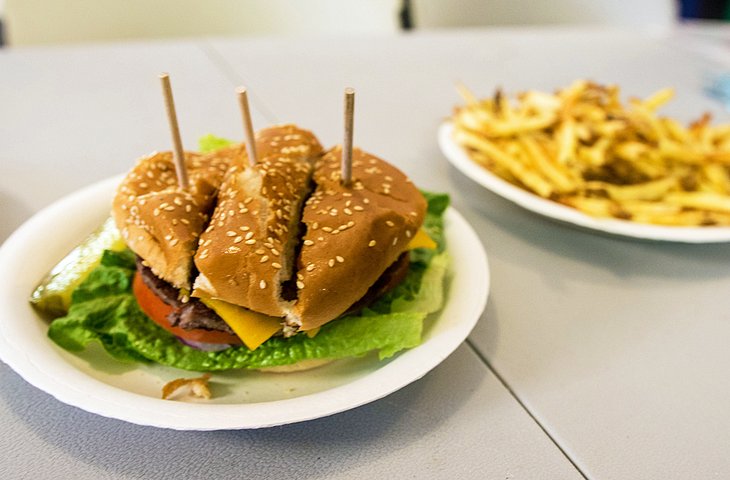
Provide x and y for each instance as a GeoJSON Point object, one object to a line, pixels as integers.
{"type": "Point", "coordinates": [324, 447]}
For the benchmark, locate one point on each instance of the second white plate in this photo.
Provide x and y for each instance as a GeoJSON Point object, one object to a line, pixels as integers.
{"type": "Point", "coordinates": [460, 159]}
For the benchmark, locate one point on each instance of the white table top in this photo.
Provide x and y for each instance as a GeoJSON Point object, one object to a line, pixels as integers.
{"type": "Point", "coordinates": [597, 357]}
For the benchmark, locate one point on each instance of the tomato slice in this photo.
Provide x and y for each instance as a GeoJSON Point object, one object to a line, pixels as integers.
{"type": "Point", "coordinates": [157, 311]}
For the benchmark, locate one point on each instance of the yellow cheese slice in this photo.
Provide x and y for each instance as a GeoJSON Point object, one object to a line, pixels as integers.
{"type": "Point", "coordinates": [252, 328]}
{"type": "Point", "coordinates": [421, 240]}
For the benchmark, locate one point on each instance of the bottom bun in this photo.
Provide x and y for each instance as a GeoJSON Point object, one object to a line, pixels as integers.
{"type": "Point", "coordinates": [298, 367]}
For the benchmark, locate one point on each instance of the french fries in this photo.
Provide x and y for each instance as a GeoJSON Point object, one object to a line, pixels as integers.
{"type": "Point", "coordinates": [584, 148]}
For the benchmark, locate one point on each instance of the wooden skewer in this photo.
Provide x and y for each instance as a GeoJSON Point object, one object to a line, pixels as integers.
{"type": "Point", "coordinates": [346, 166]}
{"type": "Point", "coordinates": [247, 126]}
{"type": "Point", "coordinates": [177, 150]}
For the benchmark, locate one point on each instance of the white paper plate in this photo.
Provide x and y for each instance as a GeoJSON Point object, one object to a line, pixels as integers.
{"type": "Point", "coordinates": [95, 382]}
{"type": "Point", "coordinates": [460, 159]}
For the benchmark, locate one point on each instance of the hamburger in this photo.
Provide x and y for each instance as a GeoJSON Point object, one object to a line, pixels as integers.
{"type": "Point", "coordinates": [272, 265]}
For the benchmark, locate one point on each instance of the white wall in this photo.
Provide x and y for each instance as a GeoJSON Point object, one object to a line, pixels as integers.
{"type": "Point", "coordinates": [72, 21]}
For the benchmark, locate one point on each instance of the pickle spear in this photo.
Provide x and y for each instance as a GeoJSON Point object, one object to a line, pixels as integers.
{"type": "Point", "coordinates": [52, 296]}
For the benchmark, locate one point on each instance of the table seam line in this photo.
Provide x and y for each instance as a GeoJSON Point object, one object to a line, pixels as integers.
{"type": "Point", "coordinates": [237, 80]}
{"type": "Point", "coordinates": [524, 407]}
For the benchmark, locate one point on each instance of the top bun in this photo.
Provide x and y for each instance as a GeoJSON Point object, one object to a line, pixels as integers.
{"type": "Point", "coordinates": [247, 251]}
{"type": "Point", "coordinates": [160, 221]}
{"type": "Point", "coordinates": [352, 234]}
{"type": "Point", "coordinates": [283, 237]}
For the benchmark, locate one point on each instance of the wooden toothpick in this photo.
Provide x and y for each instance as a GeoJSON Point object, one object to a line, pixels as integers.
{"type": "Point", "coordinates": [346, 166]}
{"type": "Point", "coordinates": [177, 150]}
{"type": "Point", "coordinates": [247, 126]}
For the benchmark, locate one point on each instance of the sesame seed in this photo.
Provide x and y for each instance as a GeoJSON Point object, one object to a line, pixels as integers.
{"type": "Point", "coordinates": [233, 249]}
{"type": "Point", "coordinates": [395, 240]}
{"type": "Point", "coordinates": [327, 229]}
{"type": "Point", "coordinates": [300, 284]}
{"type": "Point", "coordinates": [340, 259]}
{"type": "Point", "coordinates": [310, 267]}
{"type": "Point", "coordinates": [372, 243]}
{"type": "Point", "coordinates": [188, 208]}
{"type": "Point", "coordinates": [174, 242]}
{"type": "Point", "coordinates": [260, 251]}
{"type": "Point", "coordinates": [250, 242]}
{"type": "Point", "coordinates": [347, 211]}
{"type": "Point", "coordinates": [156, 212]}
{"type": "Point", "coordinates": [168, 237]}
{"type": "Point", "coordinates": [231, 233]}
{"type": "Point", "coordinates": [389, 223]}
{"type": "Point", "coordinates": [275, 265]}
{"type": "Point", "coordinates": [331, 262]}
{"type": "Point", "coordinates": [275, 251]}
{"type": "Point", "coordinates": [238, 239]}
{"type": "Point", "coordinates": [249, 235]}
{"type": "Point", "coordinates": [308, 242]}
{"type": "Point", "coordinates": [262, 284]}
{"type": "Point", "coordinates": [264, 259]}
{"type": "Point", "coordinates": [408, 233]}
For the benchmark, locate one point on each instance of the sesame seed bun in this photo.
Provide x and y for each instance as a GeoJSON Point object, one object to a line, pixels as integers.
{"type": "Point", "coordinates": [160, 221]}
{"type": "Point", "coordinates": [353, 234]}
{"type": "Point", "coordinates": [283, 237]}
{"type": "Point", "coordinates": [246, 252]}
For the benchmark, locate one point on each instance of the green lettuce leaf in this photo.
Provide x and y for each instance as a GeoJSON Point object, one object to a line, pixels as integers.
{"type": "Point", "coordinates": [210, 143]}
{"type": "Point", "coordinates": [104, 310]}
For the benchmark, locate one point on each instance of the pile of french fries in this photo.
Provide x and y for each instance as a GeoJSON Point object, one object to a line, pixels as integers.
{"type": "Point", "coordinates": [583, 148]}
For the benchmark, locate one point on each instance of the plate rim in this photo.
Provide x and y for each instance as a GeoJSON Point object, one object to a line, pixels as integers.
{"type": "Point", "coordinates": [456, 155]}
{"type": "Point", "coordinates": [103, 399]}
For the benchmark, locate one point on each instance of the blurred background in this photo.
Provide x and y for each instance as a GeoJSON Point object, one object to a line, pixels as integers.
{"type": "Point", "coordinates": [39, 22]}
